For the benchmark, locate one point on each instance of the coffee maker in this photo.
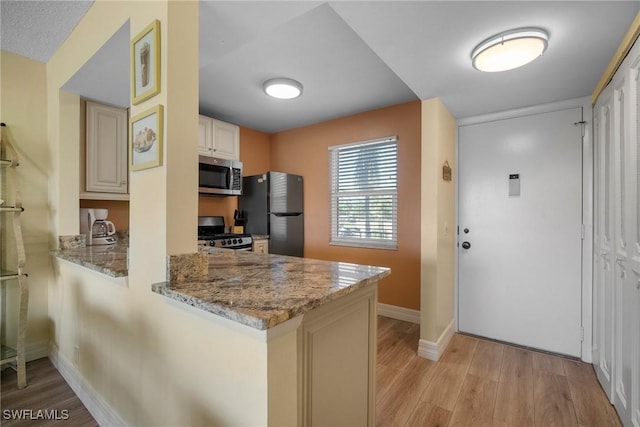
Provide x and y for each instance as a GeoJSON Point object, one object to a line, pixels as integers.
{"type": "Point", "coordinates": [94, 225]}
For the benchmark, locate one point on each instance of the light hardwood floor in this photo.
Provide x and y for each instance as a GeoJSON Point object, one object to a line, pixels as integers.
{"type": "Point", "coordinates": [476, 383]}
{"type": "Point", "coordinates": [482, 383]}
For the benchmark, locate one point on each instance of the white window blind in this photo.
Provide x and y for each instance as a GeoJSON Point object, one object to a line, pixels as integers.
{"type": "Point", "coordinates": [364, 193]}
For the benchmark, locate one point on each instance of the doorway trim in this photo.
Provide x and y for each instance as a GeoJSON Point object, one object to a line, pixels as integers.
{"type": "Point", "coordinates": [587, 202]}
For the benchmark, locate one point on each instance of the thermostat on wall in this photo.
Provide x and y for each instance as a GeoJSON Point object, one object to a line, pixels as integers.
{"type": "Point", "coordinates": [514, 184]}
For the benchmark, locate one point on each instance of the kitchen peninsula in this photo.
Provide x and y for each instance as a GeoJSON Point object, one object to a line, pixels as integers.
{"type": "Point", "coordinates": [313, 322]}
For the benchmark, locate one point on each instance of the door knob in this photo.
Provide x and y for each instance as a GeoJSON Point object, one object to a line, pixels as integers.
{"type": "Point", "coordinates": [466, 245]}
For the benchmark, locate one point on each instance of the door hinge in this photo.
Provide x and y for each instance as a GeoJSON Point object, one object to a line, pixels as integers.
{"type": "Point", "coordinates": [582, 124]}
{"type": "Point", "coordinates": [581, 334]}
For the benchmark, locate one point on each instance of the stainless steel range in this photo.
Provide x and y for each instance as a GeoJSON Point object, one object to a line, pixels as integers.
{"type": "Point", "coordinates": [211, 233]}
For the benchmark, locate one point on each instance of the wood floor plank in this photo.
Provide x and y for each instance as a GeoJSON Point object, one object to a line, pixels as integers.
{"type": "Point", "coordinates": [399, 353]}
{"type": "Point", "coordinates": [460, 351]}
{"type": "Point", "coordinates": [427, 415]}
{"type": "Point", "coordinates": [384, 378]}
{"type": "Point", "coordinates": [552, 400]}
{"type": "Point", "coordinates": [395, 408]}
{"type": "Point", "coordinates": [514, 402]}
{"type": "Point", "coordinates": [591, 405]}
{"type": "Point", "coordinates": [46, 390]}
{"type": "Point", "coordinates": [579, 371]}
{"type": "Point", "coordinates": [517, 363]}
{"type": "Point", "coordinates": [498, 423]}
{"type": "Point", "coordinates": [487, 360]}
{"type": "Point", "coordinates": [445, 386]}
{"type": "Point", "coordinates": [548, 363]}
{"type": "Point", "coordinates": [476, 402]}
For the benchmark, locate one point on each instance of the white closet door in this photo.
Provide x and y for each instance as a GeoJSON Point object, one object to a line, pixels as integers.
{"type": "Point", "coordinates": [623, 222]}
{"type": "Point", "coordinates": [633, 204]}
{"type": "Point", "coordinates": [603, 259]}
{"type": "Point", "coordinates": [617, 240]}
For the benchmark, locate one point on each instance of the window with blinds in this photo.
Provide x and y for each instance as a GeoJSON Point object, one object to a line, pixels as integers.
{"type": "Point", "coordinates": [364, 193]}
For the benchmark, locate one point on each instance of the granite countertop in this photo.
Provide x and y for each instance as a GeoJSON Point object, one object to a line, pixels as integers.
{"type": "Point", "coordinates": [260, 236]}
{"type": "Point", "coordinates": [106, 259]}
{"type": "Point", "coordinates": [262, 291]}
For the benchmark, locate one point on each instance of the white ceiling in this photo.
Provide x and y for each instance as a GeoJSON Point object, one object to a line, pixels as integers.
{"type": "Point", "coordinates": [350, 56]}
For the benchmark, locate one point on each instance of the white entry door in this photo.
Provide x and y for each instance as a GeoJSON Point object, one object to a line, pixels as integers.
{"type": "Point", "coordinates": [520, 230]}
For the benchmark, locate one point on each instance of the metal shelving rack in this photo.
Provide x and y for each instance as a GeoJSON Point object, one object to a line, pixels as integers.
{"type": "Point", "coordinates": [11, 204]}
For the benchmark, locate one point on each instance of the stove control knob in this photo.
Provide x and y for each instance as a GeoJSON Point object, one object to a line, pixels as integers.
{"type": "Point", "coordinates": [239, 240]}
{"type": "Point", "coordinates": [228, 241]}
{"type": "Point", "coordinates": [235, 241]}
{"type": "Point", "coordinates": [223, 242]}
{"type": "Point", "coordinates": [212, 243]}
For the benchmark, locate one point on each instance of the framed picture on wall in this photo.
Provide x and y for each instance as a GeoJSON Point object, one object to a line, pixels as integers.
{"type": "Point", "coordinates": [145, 139]}
{"type": "Point", "coordinates": [145, 63]}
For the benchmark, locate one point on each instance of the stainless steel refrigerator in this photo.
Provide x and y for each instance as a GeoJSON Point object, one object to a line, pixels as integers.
{"type": "Point", "coordinates": [272, 204]}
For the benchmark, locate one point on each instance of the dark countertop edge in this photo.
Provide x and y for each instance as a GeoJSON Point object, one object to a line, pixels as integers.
{"type": "Point", "coordinates": [164, 288]}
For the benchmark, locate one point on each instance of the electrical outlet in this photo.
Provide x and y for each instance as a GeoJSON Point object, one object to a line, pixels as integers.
{"type": "Point", "coordinates": [76, 354]}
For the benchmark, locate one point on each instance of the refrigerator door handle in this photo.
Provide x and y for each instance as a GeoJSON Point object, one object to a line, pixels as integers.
{"type": "Point", "coordinates": [287, 213]}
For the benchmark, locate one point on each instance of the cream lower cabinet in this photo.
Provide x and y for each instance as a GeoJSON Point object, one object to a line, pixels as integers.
{"type": "Point", "coordinates": [218, 139]}
{"type": "Point", "coordinates": [338, 362]}
{"type": "Point", "coordinates": [616, 277]}
{"type": "Point", "coordinates": [261, 246]}
{"type": "Point", "coordinates": [106, 149]}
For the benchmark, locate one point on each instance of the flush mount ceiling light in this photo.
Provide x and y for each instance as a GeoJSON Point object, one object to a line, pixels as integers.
{"type": "Point", "coordinates": [282, 88]}
{"type": "Point", "coordinates": [510, 49]}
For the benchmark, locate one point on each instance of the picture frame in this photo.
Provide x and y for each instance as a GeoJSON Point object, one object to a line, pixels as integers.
{"type": "Point", "coordinates": [145, 139]}
{"type": "Point", "coordinates": [145, 63]}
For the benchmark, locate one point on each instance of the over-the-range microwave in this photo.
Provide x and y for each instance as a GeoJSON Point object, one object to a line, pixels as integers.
{"type": "Point", "coordinates": [220, 176]}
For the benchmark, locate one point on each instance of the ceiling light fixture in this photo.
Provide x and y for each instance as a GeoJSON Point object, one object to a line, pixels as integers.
{"type": "Point", "coordinates": [510, 49]}
{"type": "Point", "coordinates": [282, 88]}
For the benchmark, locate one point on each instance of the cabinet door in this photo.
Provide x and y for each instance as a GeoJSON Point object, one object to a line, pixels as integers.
{"type": "Point", "coordinates": [106, 160]}
{"type": "Point", "coordinates": [261, 246]}
{"type": "Point", "coordinates": [338, 362]}
{"type": "Point", "coordinates": [226, 140]}
{"type": "Point", "coordinates": [205, 136]}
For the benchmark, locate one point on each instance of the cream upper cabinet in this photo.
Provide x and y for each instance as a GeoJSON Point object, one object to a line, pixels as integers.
{"type": "Point", "coordinates": [205, 135]}
{"type": "Point", "coordinates": [218, 139]}
{"type": "Point", "coordinates": [106, 149]}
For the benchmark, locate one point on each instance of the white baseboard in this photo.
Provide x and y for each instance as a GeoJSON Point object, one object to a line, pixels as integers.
{"type": "Point", "coordinates": [433, 350]}
{"type": "Point", "coordinates": [36, 350]}
{"type": "Point", "coordinates": [95, 404]}
{"type": "Point", "coordinates": [400, 313]}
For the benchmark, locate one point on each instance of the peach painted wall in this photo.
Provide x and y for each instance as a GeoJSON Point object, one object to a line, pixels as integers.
{"type": "Point", "coordinates": [255, 155]}
{"type": "Point", "coordinates": [304, 151]}
{"type": "Point", "coordinates": [118, 211]}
